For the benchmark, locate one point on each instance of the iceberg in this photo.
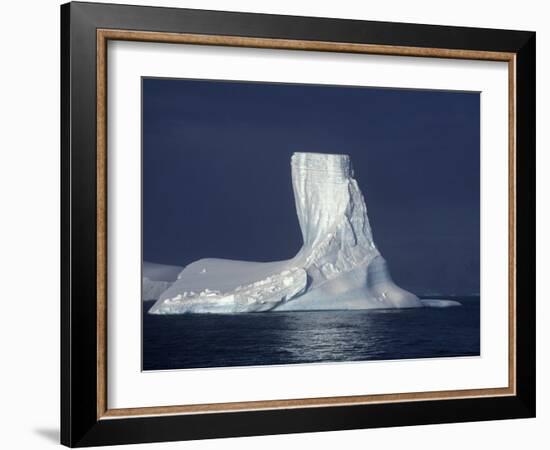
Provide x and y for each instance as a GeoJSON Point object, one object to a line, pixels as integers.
{"type": "Point", "coordinates": [439, 303]}
{"type": "Point", "coordinates": [338, 266]}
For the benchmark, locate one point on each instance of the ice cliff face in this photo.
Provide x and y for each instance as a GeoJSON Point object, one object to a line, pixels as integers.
{"type": "Point", "coordinates": [338, 266]}
{"type": "Point", "coordinates": [332, 216]}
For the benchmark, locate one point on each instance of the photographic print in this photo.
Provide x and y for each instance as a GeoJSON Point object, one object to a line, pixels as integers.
{"type": "Point", "coordinates": [299, 223]}
{"type": "Point", "coordinates": [302, 209]}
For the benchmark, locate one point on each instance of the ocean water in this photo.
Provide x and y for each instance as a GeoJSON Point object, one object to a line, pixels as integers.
{"type": "Point", "coordinates": [224, 340]}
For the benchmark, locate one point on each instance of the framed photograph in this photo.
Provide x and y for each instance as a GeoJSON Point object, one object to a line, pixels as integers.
{"type": "Point", "coordinates": [277, 224]}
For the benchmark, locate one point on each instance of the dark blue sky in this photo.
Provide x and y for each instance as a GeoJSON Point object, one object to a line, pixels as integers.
{"type": "Point", "coordinates": [216, 172]}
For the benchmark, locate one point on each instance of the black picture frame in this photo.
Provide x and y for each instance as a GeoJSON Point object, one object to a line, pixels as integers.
{"type": "Point", "coordinates": [80, 424]}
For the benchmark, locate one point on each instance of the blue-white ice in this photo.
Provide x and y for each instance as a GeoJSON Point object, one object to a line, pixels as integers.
{"type": "Point", "coordinates": [338, 266]}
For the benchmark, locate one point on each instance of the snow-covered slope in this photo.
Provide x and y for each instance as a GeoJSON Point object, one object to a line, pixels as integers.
{"type": "Point", "coordinates": [338, 266]}
{"type": "Point", "coordinates": [156, 278]}
{"type": "Point", "coordinates": [160, 272]}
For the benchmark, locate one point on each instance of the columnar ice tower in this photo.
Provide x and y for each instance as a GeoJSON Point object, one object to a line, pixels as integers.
{"type": "Point", "coordinates": [338, 266]}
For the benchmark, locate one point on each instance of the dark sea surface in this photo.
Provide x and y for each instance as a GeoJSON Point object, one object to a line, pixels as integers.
{"type": "Point", "coordinates": [224, 340]}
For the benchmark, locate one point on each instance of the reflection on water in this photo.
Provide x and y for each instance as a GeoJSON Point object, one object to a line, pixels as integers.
{"type": "Point", "coordinates": [192, 341]}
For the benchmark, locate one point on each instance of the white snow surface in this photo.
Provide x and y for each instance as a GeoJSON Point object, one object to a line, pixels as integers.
{"type": "Point", "coordinates": [338, 266]}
